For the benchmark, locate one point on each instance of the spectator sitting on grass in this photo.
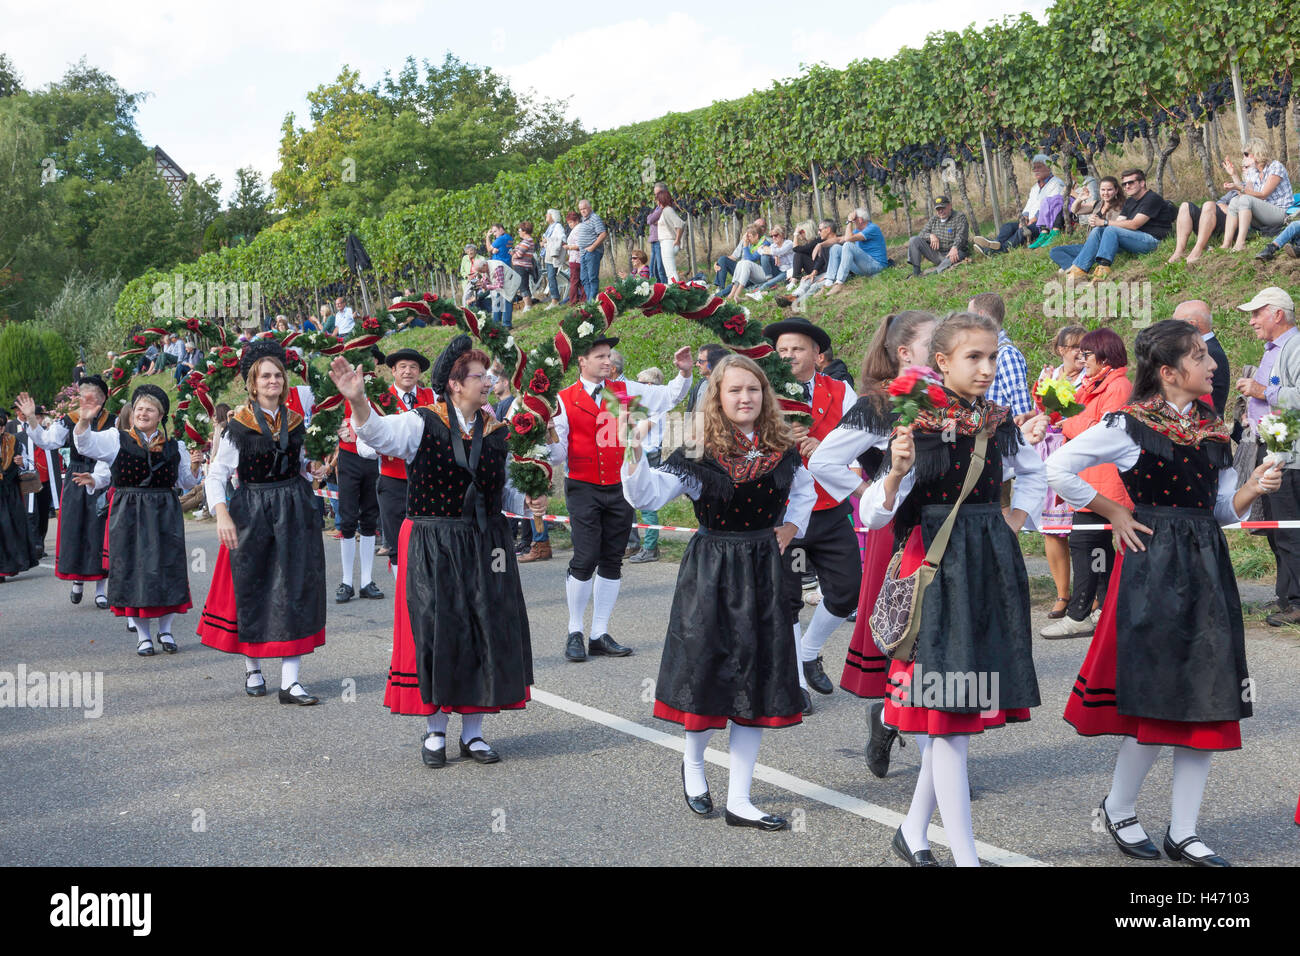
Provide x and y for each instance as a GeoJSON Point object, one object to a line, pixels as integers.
{"type": "Point", "coordinates": [749, 270]}
{"type": "Point", "coordinates": [726, 265]}
{"type": "Point", "coordinates": [781, 251]}
{"type": "Point", "coordinates": [1287, 240]}
{"type": "Point", "coordinates": [1035, 216]}
{"type": "Point", "coordinates": [944, 241]}
{"type": "Point", "coordinates": [860, 252]}
{"type": "Point", "coordinates": [1262, 195]}
{"type": "Point", "coordinates": [820, 256]}
{"type": "Point", "coordinates": [1145, 219]}
{"type": "Point", "coordinates": [640, 267]}
{"type": "Point", "coordinates": [1107, 209]}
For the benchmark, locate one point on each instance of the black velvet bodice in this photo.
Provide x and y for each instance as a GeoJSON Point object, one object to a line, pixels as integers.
{"type": "Point", "coordinates": [436, 484]}
{"type": "Point", "coordinates": [136, 467]}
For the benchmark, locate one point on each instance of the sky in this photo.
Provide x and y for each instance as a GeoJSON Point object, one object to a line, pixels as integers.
{"type": "Point", "coordinates": [221, 77]}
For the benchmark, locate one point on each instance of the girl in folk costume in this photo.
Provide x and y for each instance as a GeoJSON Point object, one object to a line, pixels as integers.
{"type": "Point", "coordinates": [863, 434]}
{"type": "Point", "coordinates": [79, 552]}
{"type": "Point", "coordinates": [148, 575]}
{"type": "Point", "coordinates": [461, 641]}
{"type": "Point", "coordinates": [975, 614]}
{"type": "Point", "coordinates": [268, 588]}
{"type": "Point", "coordinates": [1167, 664]}
{"type": "Point", "coordinates": [15, 552]}
{"type": "Point", "coordinates": [728, 654]}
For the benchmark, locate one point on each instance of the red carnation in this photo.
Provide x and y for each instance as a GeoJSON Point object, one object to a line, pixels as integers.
{"type": "Point", "coordinates": [386, 399]}
{"type": "Point", "coordinates": [428, 297]}
{"type": "Point", "coordinates": [230, 361]}
{"type": "Point", "coordinates": [904, 384]}
{"type": "Point", "coordinates": [194, 378]}
{"type": "Point", "coordinates": [938, 397]}
{"type": "Point", "coordinates": [192, 324]}
{"type": "Point", "coordinates": [138, 339]}
{"type": "Point", "coordinates": [118, 373]}
{"type": "Point", "coordinates": [736, 324]}
{"type": "Point", "coordinates": [539, 383]}
{"type": "Point", "coordinates": [371, 323]}
{"type": "Point", "coordinates": [447, 318]}
{"type": "Point", "coordinates": [291, 356]}
{"type": "Point", "coordinates": [524, 423]}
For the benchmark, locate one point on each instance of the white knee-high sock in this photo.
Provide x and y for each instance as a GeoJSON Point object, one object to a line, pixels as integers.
{"type": "Point", "coordinates": [348, 548]}
{"type": "Point", "coordinates": [798, 651]}
{"type": "Point", "coordinates": [289, 672]}
{"type": "Point", "coordinates": [822, 625]}
{"type": "Point", "coordinates": [471, 726]}
{"type": "Point", "coordinates": [78, 587]}
{"type": "Point", "coordinates": [141, 628]}
{"type": "Point", "coordinates": [1131, 767]}
{"type": "Point", "coordinates": [952, 792]}
{"type": "Point", "coordinates": [367, 550]}
{"type": "Point", "coordinates": [916, 824]}
{"type": "Point", "coordinates": [436, 723]}
{"type": "Point", "coordinates": [693, 760]}
{"type": "Point", "coordinates": [578, 593]}
{"type": "Point", "coordinates": [605, 593]}
{"type": "Point", "coordinates": [744, 754]}
{"type": "Point", "coordinates": [1191, 770]}
{"type": "Point", "coordinates": [101, 587]}
{"type": "Point", "coordinates": [253, 664]}
{"type": "Point", "coordinates": [165, 623]}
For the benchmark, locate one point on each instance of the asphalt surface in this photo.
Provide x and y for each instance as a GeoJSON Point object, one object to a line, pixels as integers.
{"type": "Point", "coordinates": [183, 768]}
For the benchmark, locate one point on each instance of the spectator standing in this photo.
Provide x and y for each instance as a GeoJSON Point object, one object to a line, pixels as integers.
{"type": "Point", "coordinates": [500, 243]}
{"type": "Point", "coordinates": [1046, 200]}
{"type": "Point", "coordinates": [524, 261]}
{"type": "Point", "coordinates": [945, 240]}
{"type": "Point", "coordinates": [1197, 312]}
{"type": "Point", "coordinates": [706, 357]}
{"type": "Point", "coordinates": [1011, 380]}
{"type": "Point", "coordinates": [576, 291]}
{"type": "Point", "coordinates": [589, 237]}
{"type": "Point", "coordinates": [671, 228]}
{"type": "Point", "coordinates": [502, 282]}
{"type": "Point", "coordinates": [553, 253]}
{"type": "Point", "coordinates": [1147, 217]}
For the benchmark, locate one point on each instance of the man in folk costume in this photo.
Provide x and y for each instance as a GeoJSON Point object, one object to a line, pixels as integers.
{"type": "Point", "coordinates": [79, 552]}
{"type": "Point", "coordinates": [407, 365]}
{"type": "Point", "coordinates": [358, 479]}
{"type": "Point", "coordinates": [829, 546]}
{"type": "Point", "coordinates": [601, 518]}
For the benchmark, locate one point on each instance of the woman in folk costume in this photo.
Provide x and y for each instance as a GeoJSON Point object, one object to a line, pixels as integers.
{"type": "Point", "coordinates": [461, 641]}
{"type": "Point", "coordinates": [975, 613]}
{"type": "Point", "coordinates": [15, 550]}
{"type": "Point", "coordinates": [861, 437]}
{"type": "Point", "coordinates": [148, 569]}
{"type": "Point", "coordinates": [268, 589]}
{"type": "Point", "coordinates": [1167, 664]}
{"type": "Point", "coordinates": [83, 515]}
{"type": "Point", "coordinates": [728, 654]}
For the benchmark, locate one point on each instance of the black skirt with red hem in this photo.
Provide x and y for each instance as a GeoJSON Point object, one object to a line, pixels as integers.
{"type": "Point", "coordinates": [697, 722]}
{"type": "Point", "coordinates": [219, 623]}
{"type": "Point", "coordinates": [84, 531]}
{"type": "Point", "coordinates": [148, 574]}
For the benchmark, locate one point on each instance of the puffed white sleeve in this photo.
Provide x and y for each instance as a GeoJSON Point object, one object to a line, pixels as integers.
{"type": "Point", "coordinates": [559, 449]}
{"type": "Point", "coordinates": [1030, 489]}
{"type": "Point", "coordinates": [103, 476]}
{"type": "Point", "coordinates": [220, 467]}
{"type": "Point", "coordinates": [850, 399]}
{"type": "Point", "coordinates": [398, 436]}
{"type": "Point", "coordinates": [102, 446]}
{"type": "Point", "coordinates": [1224, 512]}
{"type": "Point", "coordinates": [51, 438]}
{"type": "Point", "coordinates": [803, 496]}
{"type": "Point", "coordinates": [185, 477]}
{"type": "Point", "coordinates": [831, 464]}
{"type": "Point", "coordinates": [1099, 445]}
{"type": "Point", "coordinates": [660, 398]}
{"type": "Point", "coordinates": [649, 489]}
{"type": "Point", "coordinates": [873, 512]}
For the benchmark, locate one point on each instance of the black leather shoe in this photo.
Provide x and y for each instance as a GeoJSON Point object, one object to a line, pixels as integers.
{"type": "Point", "coordinates": [575, 647]}
{"type": "Point", "coordinates": [167, 643]}
{"type": "Point", "coordinates": [101, 602]}
{"type": "Point", "coordinates": [807, 702]}
{"type": "Point", "coordinates": [1176, 852]}
{"type": "Point", "coordinates": [1267, 253]}
{"type": "Point", "coordinates": [130, 627]}
{"type": "Point", "coordinates": [344, 594]}
{"type": "Point", "coordinates": [766, 822]}
{"type": "Point", "coordinates": [371, 591]}
{"type": "Point", "coordinates": [303, 698]}
{"type": "Point", "coordinates": [479, 756]}
{"type": "Point", "coordinates": [816, 677]}
{"type": "Point", "coordinates": [919, 858]}
{"type": "Point", "coordinates": [76, 596]}
{"type": "Point", "coordinates": [145, 648]}
{"type": "Point", "coordinates": [433, 758]}
{"type": "Point", "coordinates": [880, 742]}
{"type": "Point", "coordinates": [254, 690]}
{"type": "Point", "coordinates": [608, 647]}
{"type": "Point", "coordinates": [703, 805]}
{"type": "Point", "coordinates": [1143, 849]}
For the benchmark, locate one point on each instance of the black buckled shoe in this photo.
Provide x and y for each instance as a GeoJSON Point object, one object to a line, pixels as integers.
{"type": "Point", "coordinates": [76, 594]}
{"type": "Point", "coordinates": [703, 804]}
{"type": "Point", "coordinates": [371, 591]}
{"type": "Point", "coordinates": [1177, 851]}
{"type": "Point", "coordinates": [919, 858]}
{"type": "Point", "coordinates": [881, 741]}
{"type": "Point", "coordinates": [575, 648]}
{"type": "Point", "coordinates": [254, 690]}
{"type": "Point", "coordinates": [101, 602]}
{"type": "Point", "coordinates": [606, 646]}
{"type": "Point", "coordinates": [479, 756]}
{"type": "Point", "coordinates": [145, 648]}
{"type": "Point", "coordinates": [433, 758]}
{"type": "Point", "coordinates": [344, 594]}
{"type": "Point", "coordinates": [167, 643]}
{"type": "Point", "coordinates": [305, 699]}
{"type": "Point", "coordinates": [816, 677]}
{"type": "Point", "coordinates": [765, 822]}
{"type": "Point", "coordinates": [1142, 849]}
{"type": "Point", "coordinates": [807, 702]}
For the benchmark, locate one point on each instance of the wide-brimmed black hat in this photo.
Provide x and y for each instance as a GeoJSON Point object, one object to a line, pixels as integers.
{"type": "Point", "coordinates": [153, 391]}
{"type": "Point", "coordinates": [800, 326]}
{"type": "Point", "coordinates": [446, 359]}
{"type": "Point", "coordinates": [259, 349]}
{"type": "Point", "coordinates": [610, 340]}
{"type": "Point", "coordinates": [407, 355]}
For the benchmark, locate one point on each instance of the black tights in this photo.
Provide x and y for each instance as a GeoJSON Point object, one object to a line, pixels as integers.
{"type": "Point", "coordinates": [1092, 556]}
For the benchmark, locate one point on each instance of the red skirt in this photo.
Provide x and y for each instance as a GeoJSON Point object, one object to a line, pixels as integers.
{"type": "Point", "coordinates": [219, 624]}
{"type": "Point", "coordinates": [402, 695]}
{"type": "Point", "coordinates": [694, 722]}
{"type": "Point", "coordinates": [1092, 709]}
{"type": "Point", "coordinates": [923, 720]}
{"type": "Point", "coordinates": [865, 667]}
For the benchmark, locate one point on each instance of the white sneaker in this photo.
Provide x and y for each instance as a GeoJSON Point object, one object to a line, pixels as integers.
{"type": "Point", "coordinates": [1095, 617]}
{"type": "Point", "coordinates": [754, 296]}
{"type": "Point", "coordinates": [812, 597]}
{"type": "Point", "coordinates": [1067, 628]}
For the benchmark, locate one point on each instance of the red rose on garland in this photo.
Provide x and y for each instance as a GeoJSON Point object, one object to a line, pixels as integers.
{"type": "Point", "coordinates": [428, 297]}
{"type": "Point", "coordinates": [138, 339]}
{"type": "Point", "coordinates": [736, 324]}
{"type": "Point", "coordinates": [118, 372]}
{"type": "Point", "coordinates": [230, 361]}
{"type": "Point", "coordinates": [370, 324]}
{"type": "Point", "coordinates": [523, 423]}
{"type": "Point", "coordinates": [386, 399]}
{"type": "Point", "coordinates": [194, 378]}
{"type": "Point", "coordinates": [291, 357]}
{"type": "Point", "coordinates": [539, 383]}
{"type": "Point", "coordinates": [446, 318]}
{"type": "Point", "coordinates": [192, 324]}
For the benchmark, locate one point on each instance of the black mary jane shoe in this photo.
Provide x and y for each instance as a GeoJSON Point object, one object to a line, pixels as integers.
{"type": "Point", "coordinates": [254, 690]}
{"type": "Point", "coordinates": [765, 822]}
{"type": "Point", "coordinates": [703, 804]}
{"type": "Point", "coordinates": [816, 677]}
{"type": "Point", "coordinates": [145, 648]}
{"type": "Point", "coordinates": [101, 602]}
{"type": "Point", "coordinates": [304, 699]}
{"type": "Point", "coordinates": [167, 643]}
{"type": "Point", "coordinates": [807, 702]}
{"type": "Point", "coordinates": [917, 858]}
{"type": "Point", "coordinates": [1142, 849]}
{"type": "Point", "coordinates": [371, 591]}
{"type": "Point", "coordinates": [434, 758]}
{"type": "Point", "coordinates": [479, 756]}
{"type": "Point", "coordinates": [1176, 852]}
{"type": "Point", "coordinates": [606, 646]}
{"type": "Point", "coordinates": [575, 648]}
{"type": "Point", "coordinates": [343, 594]}
{"type": "Point", "coordinates": [881, 741]}
{"type": "Point", "coordinates": [130, 627]}
{"type": "Point", "coordinates": [75, 596]}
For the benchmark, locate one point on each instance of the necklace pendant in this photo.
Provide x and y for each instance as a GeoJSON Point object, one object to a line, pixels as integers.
{"type": "Point", "coordinates": [751, 454]}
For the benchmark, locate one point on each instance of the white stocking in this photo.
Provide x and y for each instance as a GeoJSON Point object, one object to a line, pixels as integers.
{"type": "Point", "coordinates": [289, 672]}
{"type": "Point", "coordinates": [744, 754]}
{"type": "Point", "coordinates": [101, 587]}
{"type": "Point", "coordinates": [165, 623]}
{"type": "Point", "coordinates": [916, 824]}
{"type": "Point", "coordinates": [348, 547]}
{"type": "Point", "coordinates": [798, 650]}
{"type": "Point", "coordinates": [253, 664]}
{"type": "Point", "coordinates": [141, 628]}
{"type": "Point", "coordinates": [436, 723]}
{"type": "Point", "coordinates": [578, 594]}
{"type": "Point", "coordinates": [1131, 767]}
{"type": "Point", "coordinates": [605, 594]}
{"type": "Point", "coordinates": [952, 792]}
{"type": "Point", "coordinates": [822, 625]}
{"type": "Point", "coordinates": [367, 550]}
{"type": "Point", "coordinates": [693, 760]}
{"type": "Point", "coordinates": [471, 726]}
{"type": "Point", "coordinates": [1191, 770]}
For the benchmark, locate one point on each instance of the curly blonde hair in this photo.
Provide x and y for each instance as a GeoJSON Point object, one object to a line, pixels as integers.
{"type": "Point", "coordinates": [771, 432]}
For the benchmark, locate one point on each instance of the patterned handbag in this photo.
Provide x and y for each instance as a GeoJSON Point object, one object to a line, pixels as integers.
{"type": "Point", "coordinates": [896, 616]}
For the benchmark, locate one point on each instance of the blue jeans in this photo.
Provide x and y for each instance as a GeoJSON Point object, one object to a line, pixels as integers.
{"type": "Point", "coordinates": [551, 284]}
{"type": "Point", "coordinates": [591, 272]}
{"type": "Point", "coordinates": [1290, 234]}
{"type": "Point", "coordinates": [502, 308]}
{"type": "Point", "coordinates": [1105, 241]}
{"type": "Point", "coordinates": [726, 266]}
{"type": "Point", "coordinates": [849, 258]}
{"type": "Point", "coordinates": [775, 280]}
{"type": "Point", "coordinates": [543, 535]}
{"type": "Point", "coordinates": [334, 502]}
{"type": "Point", "coordinates": [1064, 256]}
{"type": "Point", "coordinates": [657, 271]}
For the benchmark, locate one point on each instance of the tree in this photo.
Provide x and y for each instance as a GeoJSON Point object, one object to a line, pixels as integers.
{"type": "Point", "coordinates": [9, 81]}
{"type": "Point", "coordinates": [24, 366]}
{"type": "Point", "coordinates": [250, 209]}
{"type": "Point", "coordinates": [200, 207]}
{"type": "Point", "coordinates": [139, 226]}
{"type": "Point", "coordinates": [62, 359]}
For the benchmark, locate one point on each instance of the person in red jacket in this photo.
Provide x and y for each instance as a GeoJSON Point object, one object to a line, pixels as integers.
{"type": "Point", "coordinates": [600, 517]}
{"type": "Point", "coordinates": [829, 546]}
{"type": "Point", "coordinates": [407, 365]}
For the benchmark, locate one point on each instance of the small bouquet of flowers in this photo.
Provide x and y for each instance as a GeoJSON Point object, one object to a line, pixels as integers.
{"type": "Point", "coordinates": [917, 388]}
{"type": "Point", "coordinates": [1056, 397]}
{"type": "Point", "coordinates": [1280, 432]}
{"type": "Point", "coordinates": [68, 400]}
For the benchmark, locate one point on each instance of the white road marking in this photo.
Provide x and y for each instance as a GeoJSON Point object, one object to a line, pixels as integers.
{"type": "Point", "coordinates": [779, 778]}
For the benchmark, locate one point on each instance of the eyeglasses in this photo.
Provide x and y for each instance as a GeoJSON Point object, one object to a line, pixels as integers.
{"type": "Point", "coordinates": [474, 375]}
{"type": "Point", "coordinates": [1085, 354]}
{"type": "Point", "coordinates": [1131, 182]}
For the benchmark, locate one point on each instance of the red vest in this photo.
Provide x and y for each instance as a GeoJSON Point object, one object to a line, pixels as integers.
{"type": "Point", "coordinates": [595, 453]}
{"type": "Point", "coordinates": [396, 467]}
{"type": "Point", "coordinates": [827, 409]}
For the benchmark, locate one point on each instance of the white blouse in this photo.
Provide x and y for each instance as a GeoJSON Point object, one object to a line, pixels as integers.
{"type": "Point", "coordinates": [833, 462]}
{"type": "Point", "coordinates": [657, 399]}
{"type": "Point", "coordinates": [53, 439]}
{"type": "Point", "coordinates": [104, 446]}
{"type": "Point", "coordinates": [226, 462]}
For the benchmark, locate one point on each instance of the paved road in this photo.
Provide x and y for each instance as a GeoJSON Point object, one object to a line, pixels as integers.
{"type": "Point", "coordinates": [183, 768]}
